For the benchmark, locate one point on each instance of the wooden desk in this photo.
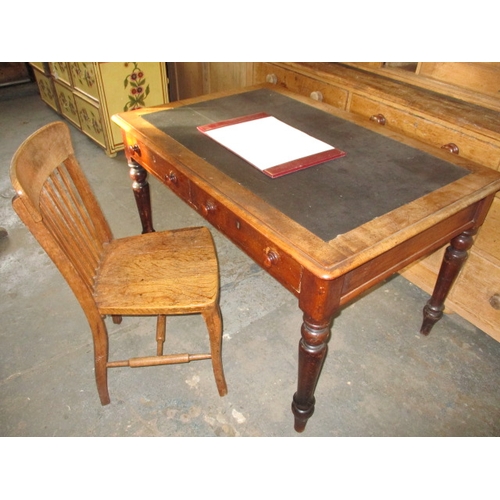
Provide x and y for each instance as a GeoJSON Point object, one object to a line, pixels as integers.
{"type": "Point", "coordinates": [327, 233]}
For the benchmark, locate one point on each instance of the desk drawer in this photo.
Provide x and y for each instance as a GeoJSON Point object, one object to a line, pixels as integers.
{"type": "Point", "coordinates": [276, 262]}
{"type": "Point", "coordinates": [160, 168]}
{"type": "Point", "coordinates": [302, 85]}
{"type": "Point", "coordinates": [428, 131]}
{"type": "Point", "coordinates": [170, 176]}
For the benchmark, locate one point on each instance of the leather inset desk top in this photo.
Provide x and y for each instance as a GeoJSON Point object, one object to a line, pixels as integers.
{"type": "Point", "coordinates": [377, 175]}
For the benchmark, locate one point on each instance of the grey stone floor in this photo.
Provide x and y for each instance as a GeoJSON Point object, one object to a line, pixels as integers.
{"type": "Point", "coordinates": [381, 378]}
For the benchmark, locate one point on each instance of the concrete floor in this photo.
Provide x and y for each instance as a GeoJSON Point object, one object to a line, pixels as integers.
{"type": "Point", "coordinates": [381, 377]}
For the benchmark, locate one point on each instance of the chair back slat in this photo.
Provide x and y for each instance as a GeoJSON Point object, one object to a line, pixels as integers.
{"type": "Point", "coordinates": [85, 218]}
{"type": "Point", "coordinates": [58, 196]}
{"type": "Point", "coordinates": [60, 219]}
{"type": "Point", "coordinates": [74, 216]}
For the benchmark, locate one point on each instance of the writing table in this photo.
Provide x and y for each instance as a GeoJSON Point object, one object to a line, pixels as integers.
{"type": "Point", "coordinates": [326, 233]}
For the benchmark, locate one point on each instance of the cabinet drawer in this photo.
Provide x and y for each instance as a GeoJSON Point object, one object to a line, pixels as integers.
{"type": "Point", "coordinates": [46, 88]}
{"type": "Point", "coordinates": [276, 262]}
{"type": "Point", "coordinates": [67, 103]}
{"type": "Point", "coordinates": [488, 238]}
{"type": "Point", "coordinates": [477, 292]}
{"type": "Point", "coordinates": [302, 85]}
{"type": "Point", "coordinates": [90, 120]}
{"type": "Point", "coordinates": [60, 71]}
{"type": "Point", "coordinates": [486, 242]}
{"type": "Point", "coordinates": [424, 129]}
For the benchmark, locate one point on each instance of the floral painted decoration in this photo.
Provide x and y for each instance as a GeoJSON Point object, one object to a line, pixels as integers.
{"type": "Point", "coordinates": [138, 91]}
{"type": "Point", "coordinates": [84, 76]}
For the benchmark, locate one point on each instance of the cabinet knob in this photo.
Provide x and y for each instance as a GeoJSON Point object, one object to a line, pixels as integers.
{"type": "Point", "coordinates": [208, 208]}
{"type": "Point", "coordinates": [316, 95]}
{"type": "Point", "coordinates": [380, 119]}
{"type": "Point", "coordinates": [135, 149]}
{"type": "Point", "coordinates": [272, 257]}
{"type": "Point", "coordinates": [171, 178]}
{"type": "Point", "coordinates": [451, 147]}
{"type": "Point", "coordinates": [495, 301]}
{"type": "Point", "coordinates": [272, 78]}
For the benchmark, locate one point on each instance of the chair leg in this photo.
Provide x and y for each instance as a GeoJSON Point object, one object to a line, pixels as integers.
{"type": "Point", "coordinates": [160, 334]}
{"type": "Point", "coordinates": [117, 319]}
{"type": "Point", "coordinates": [101, 346]}
{"type": "Point", "coordinates": [213, 321]}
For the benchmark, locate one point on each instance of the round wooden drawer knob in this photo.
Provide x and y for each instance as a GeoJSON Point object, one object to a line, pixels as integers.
{"type": "Point", "coordinates": [451, 147]}
{"type": "Point", "coordinates": [208, 208]}
{"type": "Point", "coordinates": [272, 78]}
{"type": "Point", "coordinates": [495, 301]}
{"type": "Point", "coordinates": [272, 258]}
{"type": "Point", "coordinates": [380, 119]}
{"type": "Point", "coordinates": [135, 149]}
{"type": "Point", "coordinates": [171, 178]}
{"type": "Point", "coordinates": [316, 95]}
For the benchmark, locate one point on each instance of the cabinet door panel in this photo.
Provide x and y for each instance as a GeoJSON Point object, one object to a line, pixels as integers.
{"type": "Point", "coordinates": [90, 120]}
{"type": "Point", "coordinates": [67, 103]}
{"type": "Point", "coordinates": [46, 88]}
{"type": "Point", "coordinates": [84, 78]}
{"type": "Point", "coordinates": [61, 71]}
{"type": "Point", "coordinates": [128, 85]}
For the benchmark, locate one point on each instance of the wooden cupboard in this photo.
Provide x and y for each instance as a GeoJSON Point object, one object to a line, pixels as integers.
{"type": "Point", "coordinates": [454, 106]}
{"type": "Point", "coordinates": [87, 94]}
{"type": "Point", "coordinates": [192, 79]}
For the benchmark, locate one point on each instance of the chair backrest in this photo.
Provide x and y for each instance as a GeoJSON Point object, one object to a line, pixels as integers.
{"type": "Point", "coordinates": [55, 201]}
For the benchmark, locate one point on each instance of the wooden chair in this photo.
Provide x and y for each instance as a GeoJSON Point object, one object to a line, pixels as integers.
{"type": "Point", "coordinates": [163, 273]}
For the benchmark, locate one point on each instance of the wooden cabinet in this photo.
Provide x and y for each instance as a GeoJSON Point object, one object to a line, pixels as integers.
{"type": "Point", "coordinates": [193, 79]}
{"type": "Point", "coordinates": [87, 94]}
{"type": "Point", "coordinates": [454, 106]}
{"type": "Point", "coordinates": [12, 73]}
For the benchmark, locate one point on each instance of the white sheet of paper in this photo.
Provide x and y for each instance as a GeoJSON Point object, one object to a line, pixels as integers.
{"type": "Point", "coordinates": [267, 142]}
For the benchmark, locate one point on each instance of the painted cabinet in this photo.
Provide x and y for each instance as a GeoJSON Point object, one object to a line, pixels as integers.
{"type": "Point", "coordinates": [87, 94]}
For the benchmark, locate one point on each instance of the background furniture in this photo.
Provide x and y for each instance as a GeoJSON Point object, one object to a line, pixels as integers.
{"type": "Point", "coordinates": [87, 94]}
{"type": "Point", "coordinates": [12, 73]}
{"type": "Point", "coordinates": [157, 274]}
{"type": "Point", "coordinates": [192, 79]}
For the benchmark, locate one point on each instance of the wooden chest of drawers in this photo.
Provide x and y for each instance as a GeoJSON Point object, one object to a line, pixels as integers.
{"type": "Point", "coordinates": [453, 120]}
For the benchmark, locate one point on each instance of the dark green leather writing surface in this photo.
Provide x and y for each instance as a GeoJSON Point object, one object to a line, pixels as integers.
{"type": "Point", "coordinates": [377, 174]}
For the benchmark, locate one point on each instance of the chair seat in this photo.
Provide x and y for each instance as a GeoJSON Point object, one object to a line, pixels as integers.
{"type": "Point", "coordinates": [171, 272]}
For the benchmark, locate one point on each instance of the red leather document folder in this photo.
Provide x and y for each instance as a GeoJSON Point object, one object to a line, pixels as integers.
{"type": "Point", "coordinates": [269, 144]}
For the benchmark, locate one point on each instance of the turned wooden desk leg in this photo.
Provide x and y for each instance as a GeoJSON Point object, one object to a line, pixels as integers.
{"type": "Point", "coordinates": [312, 353]}
{"type": "Point", "coordinates": [140, 186]}
{"type": "Point", "coordinates": [319, 300]}
{"type": "Point", "coordinates": [454, 258]}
